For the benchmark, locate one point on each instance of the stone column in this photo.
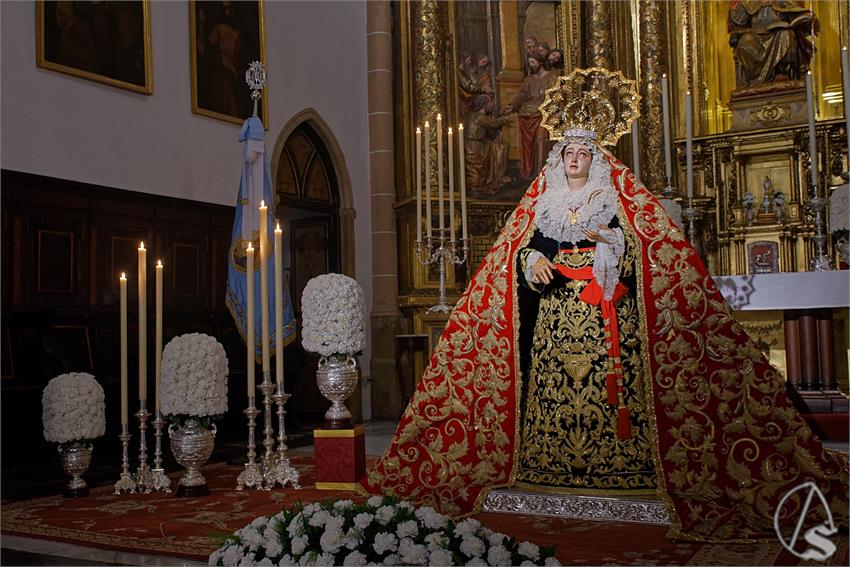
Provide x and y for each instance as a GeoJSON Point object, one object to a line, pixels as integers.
{"type": "Point", "coordinates": [386, 318]}
{"type": "Point", "coordinates": [599, 40]}
{"type": "Point", "coordinates": [653, 63]}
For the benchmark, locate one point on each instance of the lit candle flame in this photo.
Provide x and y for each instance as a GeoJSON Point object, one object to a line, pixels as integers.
{"type": "Point", "coordinates": [251, 246]}
{"type": "Point", "coordinates": [450, 130]}
{"type": "Point", "coordinates": [427, 125]}
{"type": "Point", "coordinates": [277, 228]}
{"type": "Point", "coordinates": [262, 204]}
{"type": "Point", "coordinates": [418, 130]}
{"type": "Point", "coordinates": [142, 246]}
{"type": "Point", "coordinates": [123, 276]}
{"type": "Point", "coordinates": [460, 126]}
{"type": "Point", "coordinates": [159, 263]}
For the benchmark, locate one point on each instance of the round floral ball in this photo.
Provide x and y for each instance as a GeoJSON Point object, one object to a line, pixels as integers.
{"type": "Point", "coordinates": [193, 380]}
{"type": "Point", "coordinates": [73, 408]}
{"type": "Point", "coordinates": [333, 315]}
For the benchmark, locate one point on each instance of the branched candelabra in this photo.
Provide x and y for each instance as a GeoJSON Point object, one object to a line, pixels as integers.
{"type": "Point", "coordinates": [436, 250]}
{"type": "Point", "coordinates": [281, 470]}
{"type": "Point", "coordinates": [251, 477]}
{"type": "Point", "coordinates": [821, 262]}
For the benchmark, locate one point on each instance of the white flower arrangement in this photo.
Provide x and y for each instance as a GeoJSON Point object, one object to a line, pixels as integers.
{"type": "Point", "coordinates": [193, 382]}
{"type": "Point", "coordinates": [381, 531]}
{"type": "Point", "coordinates": [333, 315]}
{"type": "Point", "coordinates": [73, 409]}
{"type": "Point", "coordinates": [749, 200]}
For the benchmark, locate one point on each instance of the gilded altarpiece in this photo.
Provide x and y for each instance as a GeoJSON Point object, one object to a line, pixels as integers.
{"type": "Point", "coordinates": [440, 43]}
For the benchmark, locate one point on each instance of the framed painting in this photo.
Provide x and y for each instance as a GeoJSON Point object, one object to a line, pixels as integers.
{"type": "Point", "coordinates": [107, 42]}
{"type": "Point", "coordinates": [225, 38]}
{"type": "Point", "coordinates": [504, 148]}
{"type": "Point", "coordinates": [310, 254]}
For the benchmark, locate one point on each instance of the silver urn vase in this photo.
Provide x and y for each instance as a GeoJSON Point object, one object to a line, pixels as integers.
{"type": "Point", "coordinates": [192, 444]}
{"type": "Point", "coordinates": [76, 458]}
{"type": "Point", "coordinates": [337, 378]}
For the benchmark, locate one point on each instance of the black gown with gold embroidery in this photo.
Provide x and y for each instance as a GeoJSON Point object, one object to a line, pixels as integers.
{"type": "Point", "coordinates": [569, 440]}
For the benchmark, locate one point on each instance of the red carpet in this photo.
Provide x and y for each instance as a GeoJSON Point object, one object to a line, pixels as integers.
{"type": "Point", "coordinates": [193, 527]}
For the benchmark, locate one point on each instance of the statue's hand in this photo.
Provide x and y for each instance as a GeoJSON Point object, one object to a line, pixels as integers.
{"type": "Point", "coordinates": [604, 234]}
{"type": "Point", "coordinates": [541, 271]}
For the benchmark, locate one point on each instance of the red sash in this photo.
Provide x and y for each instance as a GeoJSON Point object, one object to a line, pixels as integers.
{"type": "Point", "coordinates": [592, 295]}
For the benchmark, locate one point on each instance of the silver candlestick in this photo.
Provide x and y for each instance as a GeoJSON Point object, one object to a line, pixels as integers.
{"type": "Point", "coordinates": [691, 215]}
{"type": "Point", "coordinates": [126, 482]}
{"type": "Point", "coordinates": [281, 471]}
{"type": "Point", "coordinates": [144, 477]}
{"type": "Point", "coordinates": [268, 431]}
{"type": "Point", "coordinates": [821, 262]}
{"type": "Point", "coordinates": [251, 477]}
{"type": "Point", "coordinates": [159, 480]}
{"type": "Point", "coordinates": [435, 250]}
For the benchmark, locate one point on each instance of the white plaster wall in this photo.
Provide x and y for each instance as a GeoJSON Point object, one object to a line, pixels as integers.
{"type": "Point", "coordinates": [62, 126]}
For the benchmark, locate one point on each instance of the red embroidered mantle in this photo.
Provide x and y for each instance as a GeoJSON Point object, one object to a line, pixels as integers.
{"type": "Point", "coordinates": [728, 443]}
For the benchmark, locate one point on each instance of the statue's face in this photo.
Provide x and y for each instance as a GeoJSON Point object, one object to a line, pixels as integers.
{"type": "Point", "coordinates": [577, 160]}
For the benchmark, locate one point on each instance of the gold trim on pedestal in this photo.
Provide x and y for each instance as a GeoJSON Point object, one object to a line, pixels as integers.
{"type": "Point", "coordinates": [337, 486]}
{"type": "Point", "coordinates": [338, 433]}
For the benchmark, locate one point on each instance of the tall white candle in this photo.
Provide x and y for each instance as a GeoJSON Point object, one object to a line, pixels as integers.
{"type": "Point", "coordinates": [249, 325]}
{"type": "Point", "coordinates": [451, 187]}
{"type": "Point", "coordinates": [278, 304]}
{"type": "Point", "coordinates": [462, 158]}
{"type": "Point", "coordinates": [158, 340]}
{"type": "Point", "coordinates": [143, 322]}
{"type": "Point", "coordinates": [440, 210]}
{"type": "Point", "coordinates": [264, 284]}
{"type": "Point", "coordinates": [813, 145]}
{"type": "Point", "coordinates": [665, 104]}
{"type": "Point", "coordinates": [418, 184]}
{"type": "Point", "coordinates": [635, 149]}
{"type": "Point", "coordinates": [122, 287]}
{"type": "Point", "coordinates": [428, 219]}
{"type": "Point", "coordinates": [845, 76]}
{"type": "Point", "coordinates": [689, 155]}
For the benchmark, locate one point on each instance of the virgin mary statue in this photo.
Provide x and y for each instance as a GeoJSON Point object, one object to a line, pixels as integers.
{"type": "Point", "coordinates": [592, 353]}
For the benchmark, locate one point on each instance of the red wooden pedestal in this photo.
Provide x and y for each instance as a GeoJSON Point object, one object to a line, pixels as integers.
{"type": "Point", "coordinates": [340, 457]}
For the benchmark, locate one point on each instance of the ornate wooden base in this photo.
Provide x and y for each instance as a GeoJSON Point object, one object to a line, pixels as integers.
{"type": "Point", "coordinates": [192, 491]}
{"type": "Point", "coordinates": [75, 493]}
{"type": "Point", "coordinates": [769, 109]}
{"type": "Point", "coordinates": [629, 509]}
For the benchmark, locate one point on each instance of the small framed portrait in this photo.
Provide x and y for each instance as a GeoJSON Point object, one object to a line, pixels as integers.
{"type": "Point", "coordinates": [226, 37]}
{"type": "Point", "coordinates": [107, 42]}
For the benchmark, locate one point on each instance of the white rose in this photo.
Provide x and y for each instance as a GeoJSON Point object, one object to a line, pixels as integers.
{"type": "Point", "coordinates": [384, 542]}
{"type": "Point", "coordinates": [529, 550]}
{"type": "Point", "coordinates": [498, 555]}
{"type": "Point", "coordinates": [354, 558]}
{"type": "Point", "coordinates": [472, 547]}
